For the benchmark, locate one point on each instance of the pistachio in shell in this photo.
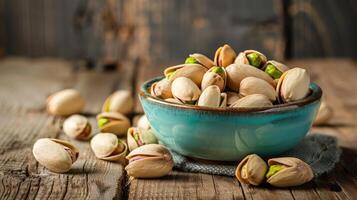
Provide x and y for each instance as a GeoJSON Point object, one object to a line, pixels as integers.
{"type": "Point", "coordinates": [237, 72]}
{"type": "Point", "coordinates": [56, 155]}
{"type": "Point", "coordinates": [224, 56]}
{"type": "Point", "coordinates": [251, 170]}
{"type": "Point", "coordinates": [106, 146]}
{"type": "Point", "coordinates": [252, 101]}
{"type": "Point", "coordinates": [120, 101]}
{"type": "Point", "coordinates": [288, 171]}
{"type": "Point", "coordinates": [113, 122]}
{"type": "Point", "coordinates": [253, 85]}
{"type": "Point", "coordinates": [324, 114]}
{"type": "Point", "coordinates": [149, 161]}
{"type": "Point", "coordinates": [143, 123]}
{"type": "Point", "coordinates": [65, 102]}
{"type": "Point", "coordinates": [161, 89]}
{"type": "Point", "coordinates": [201, 59]}
{"type": "Point", "coordinates": [137, 137]}
{"type": "Point", "coordinates": [77, 127]}
{"type": "Point", "coordinates": [232, 97]}
{"type": "Point", "coordinates": [293, 85]}
{"type": "Point", "coordinates": [275, 69]}
{"type": "Point", "coordinates": [215, 76]}
{"type": "Point", "coordinates": [223, 102]}
{"type": "Point", "coordinates": [185, 90]}
{"type": "Point", "coordinates": [251, 57]}
{"type": "Point", "coordinates": [210, 97]}
{"type": "Point", "coordinates": [194, 72]}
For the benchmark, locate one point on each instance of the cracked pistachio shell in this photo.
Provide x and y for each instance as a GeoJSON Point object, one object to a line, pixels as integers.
{"type": "Point", "coordinates": [120, 101]}
{"type": "Point", "coordinates": [293, 85]}
{"type": "Point", "coordinates": [294, 172]}
{"type": "Point", "coordinates": [149, 161]}
{"type": "Point", "coordinates": [253, 85]}
{"type": "Point", "coordinates": [251, 170]}
{"type": "Point", "coordinates": [143, 123]}
{"type": "Point", "coordinates": [324, 114]}
{"type": "Point", "coordinates": [232, 97]}
{"type": "Point", "coordinates": [77, 127]}
{"type": "Point", "coordinates": [215, 76]}
{"type": "Point", "coordinates": [242, 58]}
{"type": "Point", "coordinates": [137, 137]}
{"type": "Point", "coordinates": [203, 60]}
{"type": "Point", "coordinates": [253, 100]}
{"type": "Point", "coordinates": [173, 100]}
{"type": "Point", "coordinates": [185, 90]}
{"type": "Point", "coordinates": [106, 146]}
{"type": "Point", "coordinates": [224, 56]}
{"type": "Point", "coordinates": [279, 66]}
{"type": "Point", "coordinates": [237, 72]}
{"type": "Point", "coordinates": [113, 123]}
{"type": "Point", "coordinates": [194, 72]}
{"type": "Point", "coordinates": [65, 102]}
{"type": "Point", "coordinates": [210, 97]}
{"type": "Point", "coordinates": [56, 155]}
{"type": "Point", "coordinates": [161, 89]}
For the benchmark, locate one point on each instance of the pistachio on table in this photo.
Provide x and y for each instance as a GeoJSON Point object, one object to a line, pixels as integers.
{"type": "Point", "coordinates": [137, 137]}
{"type": "Point", "coordinates": [201, 59]}
{"type": "Point", "coordinates": [251, 57]}
{"type": "Point", "coordinates": [65, 102]}
{"type": "Point", "coordinates": [113, 122]}
{"type": "Point", "coordinates": [324, 114]}
{"type": "Point", "coordinates": [253, 85]}
{"type": "Point", "coordinates": [149, 161]}
{"type": "Point", "coordinates": [251, 170]}
{"type": "Point", "coordinates": [56, 155]}
{"type": "Point", "coordinates": [215, 76]}
{"type": "Point", "coordinates": [253, 100]}
{"type": "Point", "coordinates": [143, 123]}
{"type": "Point", "coordinates": [106, 146]}
{"type": "Point", "coordinates": [185, 90]}
{"type": "Point", "coordinates": [224, 56]}
{"type": "Point", "coordinates": [120, 101]}
{"type": "Point", "coordinates": [288, 171]}
{"type": "Point", "coordinates": [77, 127]}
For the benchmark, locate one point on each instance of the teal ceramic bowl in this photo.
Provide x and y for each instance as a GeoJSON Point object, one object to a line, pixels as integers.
{"type": "Point", "coordinates": [229, 134]}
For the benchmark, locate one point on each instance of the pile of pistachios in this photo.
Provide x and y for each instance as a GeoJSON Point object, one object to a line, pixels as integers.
{"type": "Point", "coordinates": [248, 79]}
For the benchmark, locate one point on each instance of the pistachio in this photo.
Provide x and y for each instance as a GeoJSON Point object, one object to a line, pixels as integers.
{"type": "Point", "coordinates": [214, 76]}
{"type": "Point", "coordinates": [149, 161]}
{"type": "Point", "coordinates": [56, 155]}
{"type": "Point", "coordinates": [210, 97]}
{"type": "Point", "coordinates": [293, 85]}
{"type": "Point", "coordinates": [224, 56]}
{"type": "Point", "coordinates": [65, 102]}
{"type": "Point", "coordinates": [251, 57]}
{"type": "Point", "coordinates": [113, 122]}
{"type": "Point", "coordinates": [237, 72]}
{"type": "Point", "coordinates": [194, 72]}
{"type": "Point", "coordinates": [173, 100]}
{"type": "Point", "coordinates": [223, 102]}
{"type": "Point", "coordinates": [106, 146]}
{"type": "Point", "coordinates": [120, 101]}
{"type": "Point", "coordinates": [143, 123]}
{"type": "Point", "coordinates": [77, 127]}
{"type": "Point", "coordinates": [162, 89]}
{"type": "Point", "coordinates": [253, 100]}
{"type": "Point", "coordinates": [137, 137]}
{"type": "Point", "coordinates": [288, 171]}
{"type": "Point", "coordinates": [275, 69]}
{"type": "Point", "coordinates": [185, 90]}
{"type": "Point", "coordinates": [201, 59]}
{"type": "Point", "coordinates": [232, 97]}
{"type": "Point", "coordinates": [251, 170]}
{"type": "Point", "coordinates": [253, 85]}
{"type": "Point", "coordinates": [324, 114]}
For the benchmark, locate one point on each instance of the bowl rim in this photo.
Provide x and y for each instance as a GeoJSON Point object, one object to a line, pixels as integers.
{"type": "Point", "coordinates": [314, 96]}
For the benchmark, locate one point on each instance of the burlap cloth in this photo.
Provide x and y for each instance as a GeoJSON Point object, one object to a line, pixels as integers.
{"type": "Point", "coordinates": [319, 151]}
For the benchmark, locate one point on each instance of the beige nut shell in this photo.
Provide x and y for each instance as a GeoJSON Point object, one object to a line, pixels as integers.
{"type": "Point", "coordinates": [65, 102]}
{"type": "Point", "coordinates": [77, 126]}
{"type": "Point", "coordinates": [119, 124]}
{"type": "Point", "coordinates": [120, 101]}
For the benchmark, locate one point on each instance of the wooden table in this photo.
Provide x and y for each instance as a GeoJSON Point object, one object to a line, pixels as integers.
{"type": "Point", "coordinates": [25, 84]}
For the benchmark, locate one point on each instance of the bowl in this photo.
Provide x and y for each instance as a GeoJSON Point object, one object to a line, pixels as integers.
{"type": "Point", "coordinates": [229, 134]}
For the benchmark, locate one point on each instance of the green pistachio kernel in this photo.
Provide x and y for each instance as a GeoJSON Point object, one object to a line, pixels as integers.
{"type": "Point", "coordinates": [136, 136]}
{"type": "Point", "coordinates": [102, 122]}
{"type": "Point", "coordinates": [273, 169]}
{"type": "Point", "coordinates": [218, 70]}
{"type": "Point", "coordinates": [254, 59]}
{"type": "Point", "coordinates": [191, 60]}
{"type": "Point", "coordinates": [169, 75]}
{"type": "Point", "coordinates": [273, 71]}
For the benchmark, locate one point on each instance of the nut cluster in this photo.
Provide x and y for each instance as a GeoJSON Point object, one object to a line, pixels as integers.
{"type": "Point", "coordinates": [248, 79]}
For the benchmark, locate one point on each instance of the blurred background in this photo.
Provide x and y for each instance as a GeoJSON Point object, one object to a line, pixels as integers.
{"type": "Point", "coordinates": [108, 32]}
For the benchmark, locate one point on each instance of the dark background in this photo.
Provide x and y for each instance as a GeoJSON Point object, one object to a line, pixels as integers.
{"type": "Point", "coordinates": [104, 32]}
